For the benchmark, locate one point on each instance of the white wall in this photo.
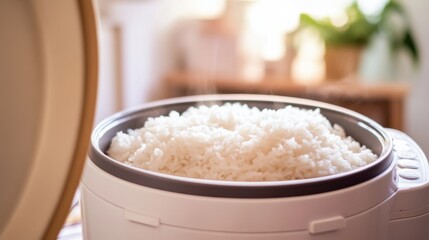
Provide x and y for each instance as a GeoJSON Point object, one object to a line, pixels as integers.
{"type": "Point", "coordinates": [128, 54]}
{"type": "Point", "coordinates": [417, 108]}
{"type": "Point", "coordinates": [136, 49]}
{"type": "Point", "coordinates": [379, 64]}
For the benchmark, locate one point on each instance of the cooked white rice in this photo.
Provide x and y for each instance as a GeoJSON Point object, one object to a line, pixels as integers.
{"type": "Point", "coordinates": [238, 143]}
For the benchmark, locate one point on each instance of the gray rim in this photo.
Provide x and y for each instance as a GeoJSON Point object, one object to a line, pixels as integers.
{"type": "Point", "coordinates": [358, 126]}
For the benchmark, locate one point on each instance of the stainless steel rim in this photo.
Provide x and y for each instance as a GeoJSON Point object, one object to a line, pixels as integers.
{"type": "Point", "coordinates": [357, 125]}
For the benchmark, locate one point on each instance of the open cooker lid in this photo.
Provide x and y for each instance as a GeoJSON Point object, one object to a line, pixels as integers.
{"type": "Point", "coordinates": [361, 128]}
{"type": "Point", "coordinates": [48, 76]}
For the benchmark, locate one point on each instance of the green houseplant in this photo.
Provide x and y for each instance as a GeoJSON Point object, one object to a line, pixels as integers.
{"type": "Point", "coordinates": [345, 42]}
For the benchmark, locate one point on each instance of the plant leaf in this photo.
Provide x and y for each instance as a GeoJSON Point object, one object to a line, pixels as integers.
{"type": "Point", "coordinates": [411, 46]}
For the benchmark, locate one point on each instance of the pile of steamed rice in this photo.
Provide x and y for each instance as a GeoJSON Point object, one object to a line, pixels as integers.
{"type": "Point", "coordinates": [237, 143]}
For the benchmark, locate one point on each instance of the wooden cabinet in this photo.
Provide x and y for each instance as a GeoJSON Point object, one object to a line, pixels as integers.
{"type": "Point", "coordinates": [383, 102]}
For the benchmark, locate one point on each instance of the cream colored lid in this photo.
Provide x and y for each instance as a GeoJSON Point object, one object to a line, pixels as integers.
{"type": "Point", "coordinates": [48, 77]}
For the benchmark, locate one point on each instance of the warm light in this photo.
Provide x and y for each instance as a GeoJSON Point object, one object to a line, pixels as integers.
{"type": "Point", "coordinates": [371, 7]}
{"type": "Point", "coordinates": [326, 8]}
{"type": "Point", "coordinates": [205, 8]}
{"type": "Point", "coordinates": [273, 48]}
{"type": "Point", "coordinates": [274, 15]}
{"type": "Point", "coordinates": [267, 22]}
{"type": "Point", "coordinates": [270, 20]}
{"type": "Point", "coordinates": [339, 19]}
{"type": "Point", "coordinates": [309, 63]}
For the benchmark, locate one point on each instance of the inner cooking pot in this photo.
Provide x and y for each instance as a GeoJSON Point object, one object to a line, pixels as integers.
{"type": "Point", "coordinates": [361, 128]}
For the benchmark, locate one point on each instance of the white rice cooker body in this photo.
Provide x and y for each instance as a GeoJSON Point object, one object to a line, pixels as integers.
{"type": "Point", "coordinates": [392, 205]}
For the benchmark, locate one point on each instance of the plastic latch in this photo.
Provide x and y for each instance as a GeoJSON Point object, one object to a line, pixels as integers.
{"type": "Point", "coordinates": [140, 218]}
{"type": "Point", "coordinates": [327, 225]}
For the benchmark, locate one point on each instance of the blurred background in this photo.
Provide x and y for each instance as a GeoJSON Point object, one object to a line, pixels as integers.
{"type": "Point", "coordinates": [366, 55]}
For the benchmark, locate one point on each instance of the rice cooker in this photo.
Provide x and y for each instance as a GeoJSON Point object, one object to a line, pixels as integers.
{"type": "Point", "coordinates": [387, 199]}
{"type": "Point", "coordinates": [49, 72]}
